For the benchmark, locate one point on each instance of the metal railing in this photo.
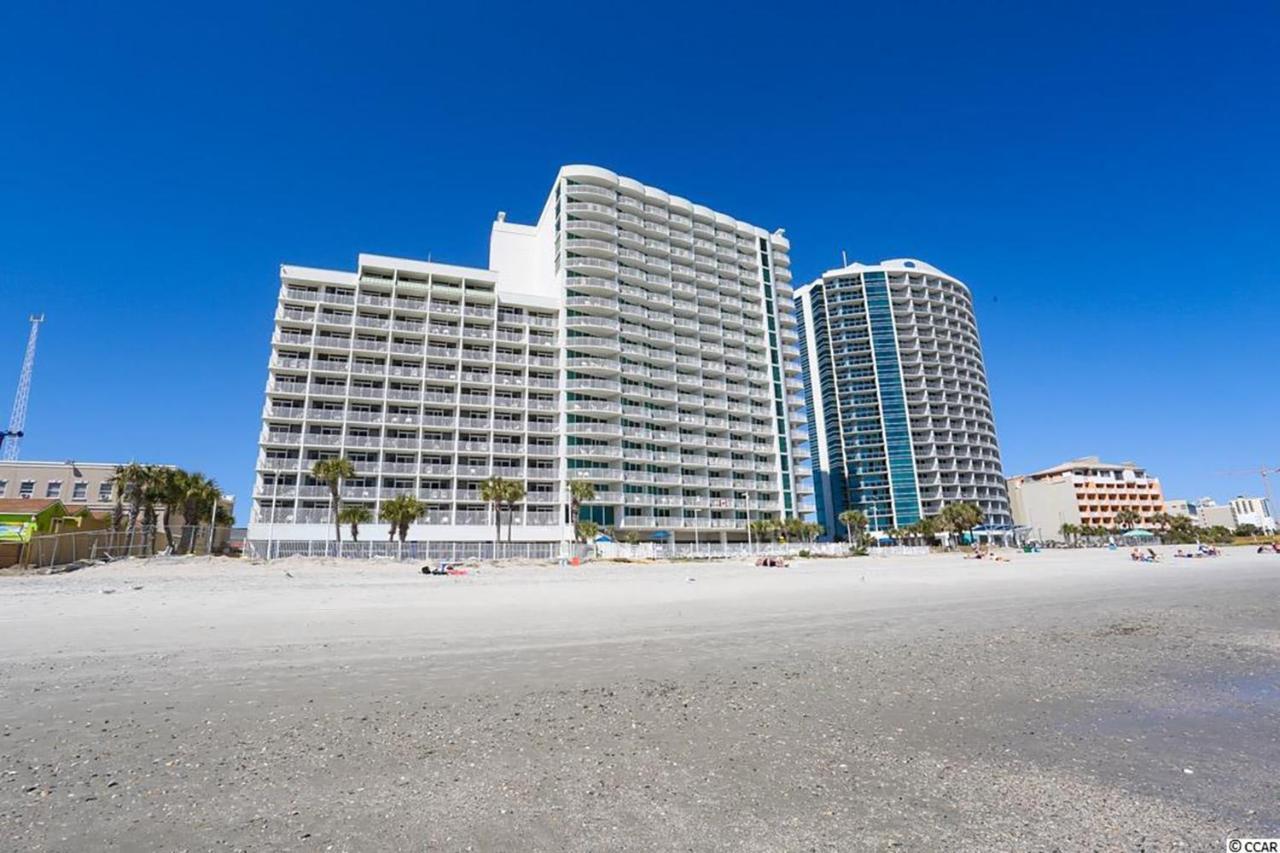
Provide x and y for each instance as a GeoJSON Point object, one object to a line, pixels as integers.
{"type": "Point", "coordinates": [422, 551]}
{"type": "Point", "coordinates": [432, 551]}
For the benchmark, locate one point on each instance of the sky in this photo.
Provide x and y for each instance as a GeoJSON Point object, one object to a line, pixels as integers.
{"type": "Point", "coordinates": [1104, 177]}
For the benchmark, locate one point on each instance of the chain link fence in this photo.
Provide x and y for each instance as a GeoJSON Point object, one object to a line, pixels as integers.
{"type": "Point", "coordinates": [60, 549]}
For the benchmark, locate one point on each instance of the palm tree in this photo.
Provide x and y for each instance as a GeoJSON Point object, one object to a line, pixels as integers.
{"type": "Point", "coordinates": [355, 515]}
{"type": "Point", "coordinates": [924, 529]}
{"type": "Point", "coordinates": [580, 492]}
{"type": "Point", "coordinates": [762, 529]}
{"type": "Point", "coordinates": [153, 494]}
{"type": "Point", "coordinates": [587, 531]}
{"type": "Point", "coordinates": [400, 512]}
{"type": "Point", "coordinates": [332, 472]}
{"type": "Point", "coordinates": [1068, 531]}
{"type": "Point", "coordinates": [172, 484]}
{"type": "Point", "coordinates": [131, 480]}
{"type": "Point", "coordinates": [961, 517]}
{"type": "Point", "coordinates": [200, 496]}
{"type": "Point", "coordinates": [812, 530]}
{"type": "Point", "coordinates": [117, 509]}
{"type": "Point", "coordinates": [493, 491]}
{"type": "Point", "coordinates": [512, 494]}
{"type": "Point", "coordinates": [855, 525]}
{"type": "Point", "coordinates": [1127, 518]}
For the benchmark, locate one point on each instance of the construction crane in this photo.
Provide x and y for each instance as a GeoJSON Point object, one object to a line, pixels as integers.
{"type": "Point", "coordinates": [18, 417]}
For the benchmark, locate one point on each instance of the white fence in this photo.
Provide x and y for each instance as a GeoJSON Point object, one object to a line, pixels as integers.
{"type": "Point", "coordinates": [717, 550]}
{"type": "Point", "coordinates": [432, 551]}
{"type": "Point", "coordinates": [421, 551]}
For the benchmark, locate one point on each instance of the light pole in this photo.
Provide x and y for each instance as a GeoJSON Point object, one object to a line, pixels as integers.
{"type": "Point", "coordinates": [271, 518]}
{"type": "Point", "coordinates": [751, 548]}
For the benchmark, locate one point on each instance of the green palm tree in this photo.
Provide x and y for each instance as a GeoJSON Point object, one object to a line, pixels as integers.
{"type": "Point", "coordinates": [332, 472]}
{"type": "Point", "coordinates": [961, 517]}
{"type": "Point", "coordinates": [131, 481]}
{"type": "Point", "coordinates": [355, 515]}
{"type": "Point", "coordinates": [587, 531]}
{"type": "Point", "coordinates": [1127, 518]}
{"type": "Point", "coordinates": [172, 484]}
{"type": "Point", "coordinates": [855, 525]}
{"type": "Point", "coordinates": [762, 529]}
{"type": "Point", "coordinates": [200, 496]}
{"type": "Point", "coordinates": [153, 496]}
{"type": "Point", "coordinates": [580, 492]}
{"type": "Point", "coordinates": [117, 508]}
{"type": "Point", "coordinates": [513, 492]}
{"type": "Point", "coordinates": [493, 491]}
{"type": "Point", "coordinates": [924, 529]}
{"type": "Point", "coordinates": [400, 512]}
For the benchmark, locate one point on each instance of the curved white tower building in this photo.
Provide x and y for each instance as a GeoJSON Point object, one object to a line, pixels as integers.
{"type": "Point", "coordinates": [630, 338]}
{"type": "Point", "coordinates": [900, 421]}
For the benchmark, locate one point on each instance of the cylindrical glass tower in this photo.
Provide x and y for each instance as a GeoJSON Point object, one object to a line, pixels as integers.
{"type": "Point", "coordinates": [900, 421]}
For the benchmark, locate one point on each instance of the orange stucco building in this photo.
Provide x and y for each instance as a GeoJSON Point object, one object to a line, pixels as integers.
{"type": "Point", "coordinates": [1086, 492]}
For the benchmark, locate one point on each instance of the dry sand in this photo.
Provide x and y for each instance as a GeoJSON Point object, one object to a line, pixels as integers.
{"type": "Point", "coordinates": [1070, 700]}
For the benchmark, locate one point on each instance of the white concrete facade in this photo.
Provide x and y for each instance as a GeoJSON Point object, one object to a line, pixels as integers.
{"type": "Point", "coordinates": [1043, 507]}
{"type": "Point", "coordinates": [1255, 511]}
{"type": "Point", "coordinates": [630, 338]}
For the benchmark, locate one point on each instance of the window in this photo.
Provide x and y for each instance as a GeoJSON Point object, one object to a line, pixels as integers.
{"type": "Point", "coordinates": [104, 492]}
{"type": "Point", "coordinates": [4, 486]}
{"type": "Point", "coordinates": [27, 488]}
{"type": "Point", "coordinates": [80, 491]}
{"type": "Point", "coordinates": [53, 489]}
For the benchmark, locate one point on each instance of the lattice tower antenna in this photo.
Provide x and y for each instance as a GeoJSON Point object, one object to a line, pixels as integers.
{"type": "Point", "coordinates": [18, 417]}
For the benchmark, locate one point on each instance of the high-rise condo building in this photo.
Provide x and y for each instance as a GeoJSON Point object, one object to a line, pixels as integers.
{"type": "Point", "coordinates": [630, 339]}
{"type": "Point", "coordinates": [900, 419]}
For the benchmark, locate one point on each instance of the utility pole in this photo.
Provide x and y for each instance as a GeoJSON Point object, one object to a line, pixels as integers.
{"type": "Point", "coordinates": [18, 417]}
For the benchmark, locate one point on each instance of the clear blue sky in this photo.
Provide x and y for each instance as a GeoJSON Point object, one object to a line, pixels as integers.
{"type": "Point", "coordinates": [1105, 179]}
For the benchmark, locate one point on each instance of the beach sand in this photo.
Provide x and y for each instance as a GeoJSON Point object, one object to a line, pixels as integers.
{"type": "Point", "coordinates": [1064, 700]}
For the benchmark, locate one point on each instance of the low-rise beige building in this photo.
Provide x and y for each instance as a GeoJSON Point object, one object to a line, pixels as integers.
{"type": "Point", "coordinates": [1084, 492]}
{"type": "Point", "coordinates": [78, 485]}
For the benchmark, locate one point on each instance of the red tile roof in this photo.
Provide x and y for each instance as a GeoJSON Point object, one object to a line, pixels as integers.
{"type": "Point", "coordinates": [25, 506]}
